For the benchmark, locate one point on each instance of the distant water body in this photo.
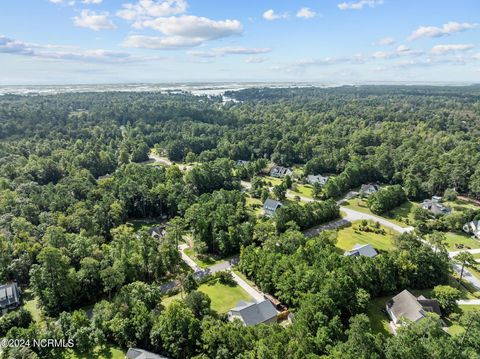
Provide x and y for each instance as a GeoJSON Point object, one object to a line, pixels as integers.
{"type": "Point", "coordinates": [200, 89]}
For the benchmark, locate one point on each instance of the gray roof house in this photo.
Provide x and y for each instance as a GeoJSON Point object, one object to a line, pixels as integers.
{"type": "Point", "coordinates": [251, 313]}
{"type": "Point", "coordinates": [270, 206]}
{"type": "Point", "coordinates": [365, 250]}
{"type": "Point", "coordinates": [317, 179]}
{"type": "Point", "coordinates": [406, 306]}
{"type": "Point", "coordinates": [241, 162]}
{"type": "Point", "coordinates": [472, 227]}
{"type": "Point", "coordinates": [135, 353]}
{"type": "Point", "coordinates": [279, 172]}
{"type": "Point", "coordinates": [368, 189]}
{"type": "Point", "coordinates": [157, 232]}
{"type": "Point", "coordinates": [9, 297]}
{"type": "Point", "coordinates": [433, 205]}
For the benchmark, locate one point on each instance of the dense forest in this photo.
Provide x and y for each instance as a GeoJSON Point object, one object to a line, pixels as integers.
{"type": "Point", "coordinates": [74, 175]}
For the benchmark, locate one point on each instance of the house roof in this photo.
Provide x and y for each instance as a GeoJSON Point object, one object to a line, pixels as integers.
{"type": "Point", "coordinates": [406, 305]}
{"type": "Point", "coordinates": [271, 205]}
{"type": "Point", "coordinates": [317, 179]}
{"type": "Point", "coordinates": [158, 231]}
{"type": "Point", "coordinates": [435, 207]}
{"type": "Point", "coordinates": [253, 313]}
{"type": "Point", "coordinates": [9, 295]}
{"type": "Point", "coordinates": [369, 188]}
{"type": "Point", "coordinates": [366, 250]}
{"type": "Point", "coordinates": [280, 170]}
{"type": "Point", "coordinates": [135, 353]}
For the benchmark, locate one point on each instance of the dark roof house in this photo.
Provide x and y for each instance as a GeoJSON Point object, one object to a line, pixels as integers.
{"type": "Point", "coordinates": [406, 306]}
{"type": "Point", "coordinates": [157, 232]}
{"type": "Point", "coordinates": [251, 313]}
{"type": "Point", "coordinates": [9, 297]}
{"type": "Point", "coordinates": [270, 206]}
{"type": "Point", "coordinates": [365, 250]}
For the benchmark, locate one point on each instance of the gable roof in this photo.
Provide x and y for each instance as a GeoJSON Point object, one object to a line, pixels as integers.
{"type": "Point", "coordinates": [406, 305]}
{"type": "Point", "coordinates": [9, 295]}
{"type": "Point", "coordinates": [270, 206]}
{"type": "Point", "coordinates": [135, 353]}
{"type": "Point", "coordinates": [253, 313]}
{"type": "Point", "coordinates": [317, 179]}
{"type": "Point", "coordinates": [365, 250]}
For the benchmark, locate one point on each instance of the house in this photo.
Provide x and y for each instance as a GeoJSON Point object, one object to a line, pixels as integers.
{"type": "Point", "coordinates": [279, 172]}
{"type": "Point", "coordinates": [252, 313]}
{"type": "Point", "coordinates": [473, 228]}
{"type": "Point", "coordinates": [270, 206]}
{"type": "Point", "coordinates": [433, 205]}
{"type": "Point", "coordinates": [241, 163]}
{"type": "Point", "coordinates": [135, 353]}
{"type": "Point", "coordinates": [368, 189]}
{"type": "Point", "coordinates": [317, 179]}
{"type": "Point", "coordinates": [365, 250]}
{"type": "Point", "coordinates": [9, 297]}
{"type": "Point", "coordinates": [157, 232]}
{"type": "Point", "coordinates": [406, 306]}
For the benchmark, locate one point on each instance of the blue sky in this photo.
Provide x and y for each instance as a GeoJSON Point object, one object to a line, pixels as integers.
{"type": "Point", "coordinates": [341, 41]}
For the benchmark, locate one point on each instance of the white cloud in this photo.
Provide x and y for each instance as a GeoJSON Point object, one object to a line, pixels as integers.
{"type": "Point", "coordinates": [255, 60]}
{"type": "Point", "coordinates": [357, 5]}
{"type": "Point", "coordinates": [232, 50]}
{"type": "Point", "coordinates": [270, 15]}
{"type": "Point", "coordinates": [95, 2]}
{"type": "Point", "coordinates": [16, 47]}
{"type": "Point", "coordinates": [451, 48]}
{"type": "Point", "coordinates": [56, 1]}
{"type": "Point", "coordinates": [157, 42]}
{"type": "Point", "coordinates": [183, 31]}
{"type": "Point", "coordinates": [148, 8]}
{"type": "Point", "coordinates": [386, 41]}
{"type": "Point", "coordinates": [446, 30]}
{"type": "Point", "coordinates": [306, 13]}
{"type": "Point", "coordinates": [95, 21]}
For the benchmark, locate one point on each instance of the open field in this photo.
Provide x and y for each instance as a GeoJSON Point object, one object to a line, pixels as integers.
{"type": "Point", "coordinates": [349, 236]}
{"type": "Point", "coordinates": [460, 238]}
{"type": "Point", "coordinates": [202, 261]}
{"type": "Point", "coordinates": [402, 215]}
{"type": "Point", "coordinates": [223, 297]}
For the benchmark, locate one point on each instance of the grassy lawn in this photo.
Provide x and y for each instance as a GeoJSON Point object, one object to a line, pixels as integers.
{"type": "Point", "coordinates": [31, 304]}
{"type": "Point", "coordinates": [241, 275]}
{"type": "Point", "coordinates": [459, 205]}
{"type": "Point", "coordinates": [350, 236]}
{"type": "Point", "coordinates": [460, 238]}
{"type": "Point", "coordinates": [304, 190]}
{"type": "Point", "coordinates": [105, 352]}
{"type": "Point", "coordinates": [401, 215]}
{"type": "Point", "coordinates": [476, 255]}
{"type": "Point", "coordinates": [455, 328]}
{"type": "Point", "coordinates": [378, 318]}
{"type": "Point", "coordinates": [274, 181]}
{"type": "Point", "coordinates": [203, 261]}
{"type": "Point", "coordinates": [255, 205]}
{"type": "Point", "coordinates": [224, 297]}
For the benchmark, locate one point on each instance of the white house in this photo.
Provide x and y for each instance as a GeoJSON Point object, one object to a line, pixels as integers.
{"type": "Point", "coordinates": [473, 228]}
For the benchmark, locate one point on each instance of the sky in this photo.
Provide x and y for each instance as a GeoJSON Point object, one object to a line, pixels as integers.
{"type": "Point", "coordinates": [155, 41]}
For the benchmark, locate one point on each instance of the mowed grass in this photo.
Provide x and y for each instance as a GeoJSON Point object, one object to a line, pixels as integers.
{"type": "Point", "coordinates": [379, 320]}
{"type": "Point", "coordinates": [460, 238]}
{"type": "Point", "coordinates": [304, 190]}
{"type": "Point", "coordinates": [401, 215]}
{"type": "Point", "coordinates": [350, 236]}
{"type": "Point", "coordinates": [459, 205]}
{"type": "Point", "coordinates": [223, 297]}
{"type": "Point", "coordinates": [104, 352]}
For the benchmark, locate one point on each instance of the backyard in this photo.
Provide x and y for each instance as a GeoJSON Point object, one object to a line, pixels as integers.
{"type": "Point", "coordinates": [349, 236]}
{"type": "Point", "coordinates": [223, 297]}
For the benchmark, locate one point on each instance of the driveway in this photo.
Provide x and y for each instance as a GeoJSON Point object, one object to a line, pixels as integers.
{"type": "Point", "coordinates": [352, 215]}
